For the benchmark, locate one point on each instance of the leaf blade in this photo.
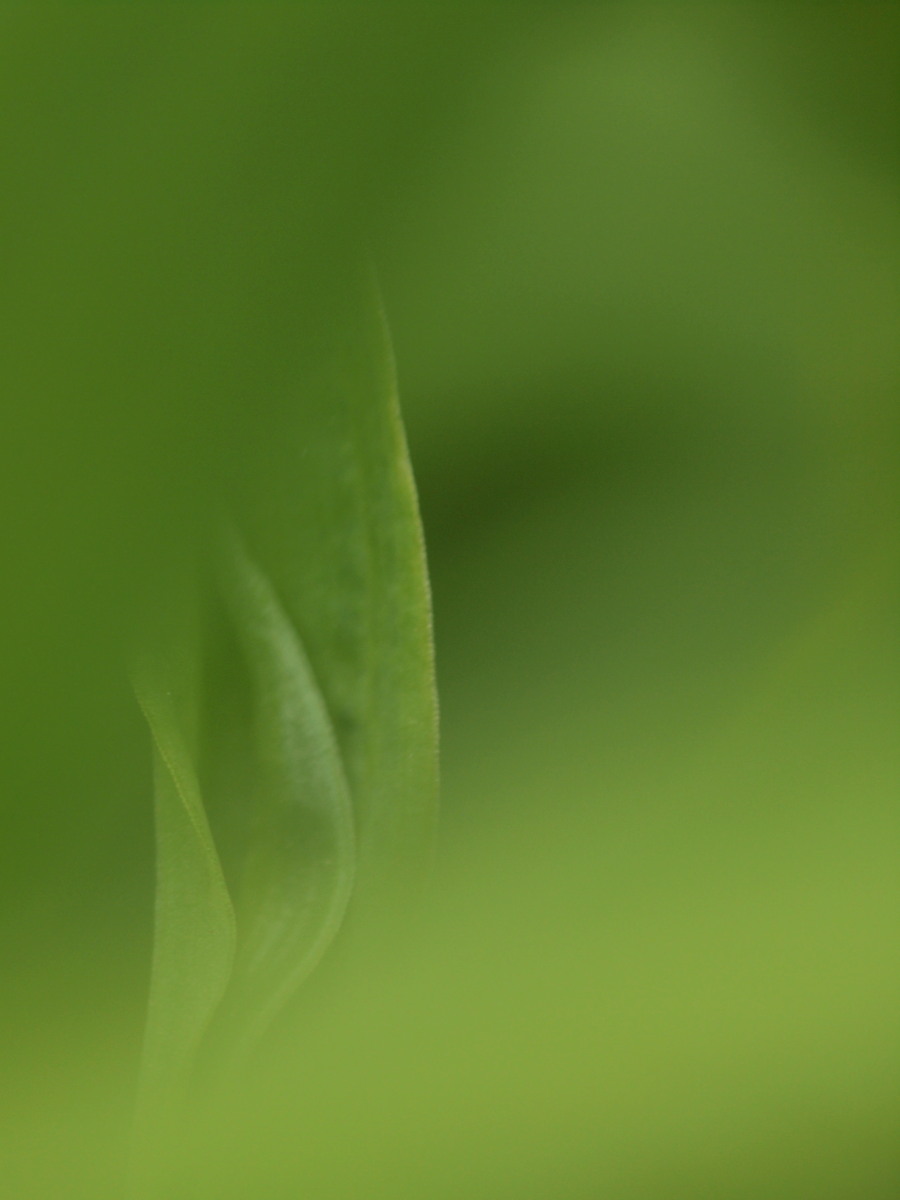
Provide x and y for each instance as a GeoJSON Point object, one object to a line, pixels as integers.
{"type": "Point", "coordinates": [194, 922]}
{"type": "Point", "coordinates": [337, 529]}
{"type": "Point", "coordinates": [299, 862]}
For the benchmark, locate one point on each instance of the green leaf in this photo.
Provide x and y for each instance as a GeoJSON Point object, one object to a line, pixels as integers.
{"type": "Point", "coordinates": [336, 528]}
{"type": "Point", "coordinates": [194, 937]}
{"type": "Point", "coordinates": [296, 773]}
{"type": "Point", "coordinates": [298, 859]}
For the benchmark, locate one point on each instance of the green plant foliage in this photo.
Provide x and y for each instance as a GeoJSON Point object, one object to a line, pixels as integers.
{"type": "Point", "coordinates": [335, 525]}
{"type": "Point", "coordinates": [288, 801]}
{"type": "Point", "coordinates": [640, 264]}
{"type": "Point", "coordinates": [298, 853]}
{"type": "Point", "coordinates": [194, 941]}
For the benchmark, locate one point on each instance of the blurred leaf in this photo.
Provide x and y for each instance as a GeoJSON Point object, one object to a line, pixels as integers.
{"type": "Point", "coordinates": [335, 526]}
{"type": "Point", "coordinates": [252, 721]}
{"type": "Point", "coordinates": [194, 921]}
{"type": "Point", "coordinates": [298, 861]}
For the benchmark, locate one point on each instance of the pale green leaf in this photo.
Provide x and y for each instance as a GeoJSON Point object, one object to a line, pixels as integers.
{"type": "Point", "coordinates": [310, 732]}
{"type": "Point", "coordinates": [194, 939]}
{"type": "Point", "coordinates": [298, 858]}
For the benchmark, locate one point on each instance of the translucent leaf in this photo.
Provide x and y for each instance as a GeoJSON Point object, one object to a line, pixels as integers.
{"type": "Point", "coordinates": [194, 939]}
{"type": "Point", "coordinates": [336, 528]}
{"type": "Point", "coordinates": [297, 763]}
{"type": "Point", "coordinates": [298, 858]}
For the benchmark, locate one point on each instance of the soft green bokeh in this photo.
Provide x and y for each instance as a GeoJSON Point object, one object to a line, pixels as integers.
{"type": "Point", "coordinates": [640, 265]}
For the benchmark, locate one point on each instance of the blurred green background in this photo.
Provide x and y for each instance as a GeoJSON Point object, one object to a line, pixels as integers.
{"type": "Point", "coordinates": [640, 263]}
